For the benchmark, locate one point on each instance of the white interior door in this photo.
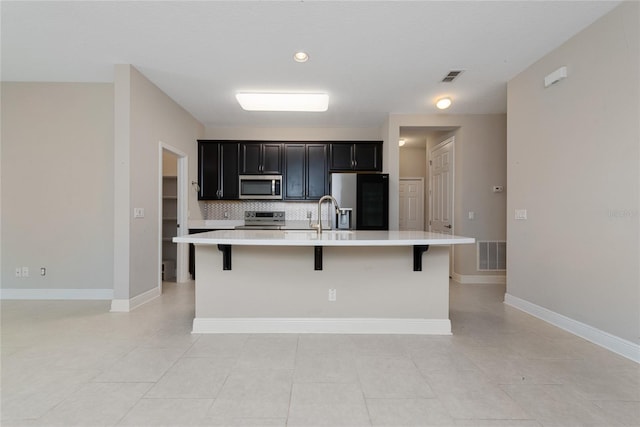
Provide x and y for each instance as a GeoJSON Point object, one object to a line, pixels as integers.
{"type": "Point", "coordinates": [441, 187]}
{"type": "Point", "coordinates": [411, 204]}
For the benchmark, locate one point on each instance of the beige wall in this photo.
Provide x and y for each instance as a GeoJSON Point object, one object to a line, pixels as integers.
{"type": "Point", "coordinates": [57, 185]}
{"type": "Point", "coordinates": [573, 160]}
{"type": "Point", "coordinates": [480, 163]}
{"type": "Point", "coordinates": [169, 164]}
{"type": "Point", "coordinates": [295, 134]}
{"type": "Point", "coordinates": [413, 162]}
{"type": "Point", "coordinates": [153, 118]}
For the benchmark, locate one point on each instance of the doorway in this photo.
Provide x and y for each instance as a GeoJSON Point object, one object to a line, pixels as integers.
{"type": "Point", "coordinates": [411, 204]}
{"type": "Point", "coordinates": [441, 191]}
{"type": "Point", "coordinates": [172, 214]}
{"type": "Point", "coordinates": [441, 187]}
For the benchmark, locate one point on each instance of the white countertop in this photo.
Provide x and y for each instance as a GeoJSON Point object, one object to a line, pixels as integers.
{"type": "Point", "coordinates": [327, 238]}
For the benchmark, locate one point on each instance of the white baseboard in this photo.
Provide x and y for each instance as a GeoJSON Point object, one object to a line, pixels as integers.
{"type": "Point", "coordinates": [604, 339]}
{"type": "Point", "coordinates": [56, 294]}
{"type": "Point", "coordinates": [480, 279]}
{"type": "Point", "coordinates": [126, 305]}
{"type": "Point", "coordinates": [321, 326]}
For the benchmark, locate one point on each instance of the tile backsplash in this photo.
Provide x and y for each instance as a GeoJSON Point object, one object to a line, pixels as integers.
{"type": "Point", "coordinates": [294, 211]}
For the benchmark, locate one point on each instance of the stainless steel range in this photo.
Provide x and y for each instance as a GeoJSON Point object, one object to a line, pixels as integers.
{"type": "Point", "coordinates": [262, 220]}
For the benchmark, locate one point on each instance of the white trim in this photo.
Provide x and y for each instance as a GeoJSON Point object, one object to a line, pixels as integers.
{"type": "Point", "coordinates": [57, 294]}
{"type": "Point", "coordinates": [604, 339]}
{"type": "Point", "coordinates": [500, 279]}
{"type": "Point", "coordinates": [321, 326]}
{"type": "Point", "coordinates": [126, 305]}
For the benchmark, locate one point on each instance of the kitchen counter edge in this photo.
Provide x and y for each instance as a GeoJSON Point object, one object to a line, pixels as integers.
{"type": "Point", "coordinates": [327, 238]}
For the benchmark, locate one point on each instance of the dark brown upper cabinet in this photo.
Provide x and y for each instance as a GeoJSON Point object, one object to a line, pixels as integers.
{"type": "Point", "coordinates": [218, 170]}
{"type": "Point", "coordinates": [305, 171]}
{"type": "Point", "coordinates": [355, 156]}
{"type": "Point", "coordinates": [257, 158]}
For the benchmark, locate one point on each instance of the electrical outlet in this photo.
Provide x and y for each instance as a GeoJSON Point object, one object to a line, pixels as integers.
{"type": "Point", "coordinates": [138, 212]}
{"type": "Point", "coordinates": [521, 214]}
{"type": "Point", "coordinates": [308, 214]}
{"type": "Point", "coordinates": [332, 294]}
{"type": "Point", "coordinates": [43, 271]}
{"type": "Point", "coordinates": [18, 272]}
{"type": "Point", "coordinates": [25, 271]}
{"type": "Point", "coordinates": [226, 215]}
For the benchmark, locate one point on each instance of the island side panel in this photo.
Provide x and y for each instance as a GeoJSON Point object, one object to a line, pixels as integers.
{"type": "Point", "coordinates": [280, 282]}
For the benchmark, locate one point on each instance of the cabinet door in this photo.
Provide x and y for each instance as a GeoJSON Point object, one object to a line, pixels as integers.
{"type": "Point", "coordinates": [317, 176]}
{"type": "Point", "coordinates": [340, 158]}
{"type": "Point", "coordinates": [367, 157]}
{"type": "Point", "coordinates": [229, 170]}
{"type": "Point", "coordinates": [294, 171]}
{"type": "Point", "coordinates": [272, 159]}
{"type": "Point", "coordinates": [250, 158]}
{"type": "Point", "coordinates": [208, 169]}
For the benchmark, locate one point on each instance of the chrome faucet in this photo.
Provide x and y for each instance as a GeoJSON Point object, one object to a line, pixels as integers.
{"type": "Point", "coordinates": [318, 226]}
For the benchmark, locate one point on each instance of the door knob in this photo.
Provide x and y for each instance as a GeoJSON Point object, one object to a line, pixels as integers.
{"type": "Point", "coordinates": [448, 226]}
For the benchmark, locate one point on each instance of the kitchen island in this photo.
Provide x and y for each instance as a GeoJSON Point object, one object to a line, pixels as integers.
{"type": "Point", "coordinates": [299, 281]}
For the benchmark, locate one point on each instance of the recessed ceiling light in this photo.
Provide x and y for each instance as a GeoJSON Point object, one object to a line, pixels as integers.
{"type": "Point", "coordinates": [315, 102]}
{"type": "Point", "coordinates": [443, 103]}
{"type": "Point", "coordinates": [401, 142]}
{"type": "Point", "coordinates": [301, 56]}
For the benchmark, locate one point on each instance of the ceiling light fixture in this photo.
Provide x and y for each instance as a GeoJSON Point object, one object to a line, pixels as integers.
{"type": "Point", "coordinates": [443, 103]}
{"type": "Point", "coordinates": [300, 56]}
{"type": "Point", "coordinates": [401, 142]}
{"type": "Point", "coordinates": [314, 102]}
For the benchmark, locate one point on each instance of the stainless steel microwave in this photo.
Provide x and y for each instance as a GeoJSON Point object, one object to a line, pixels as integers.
{"type": "Point", "coordinates": [261, 187]}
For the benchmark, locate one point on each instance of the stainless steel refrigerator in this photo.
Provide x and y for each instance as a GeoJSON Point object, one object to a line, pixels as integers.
{"type": "Point", "coordinates": [367, 194]}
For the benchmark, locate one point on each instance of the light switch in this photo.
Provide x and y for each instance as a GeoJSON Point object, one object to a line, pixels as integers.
{"type": "Point", "coordinates": [472, 215]}
{"type": "Point", "coordinates": [521, 214]}
{"type": "Point", "coordinates": [138, 212]}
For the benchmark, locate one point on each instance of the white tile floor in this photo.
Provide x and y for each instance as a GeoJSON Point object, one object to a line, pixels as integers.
{"type": "Point", "coordinates": [68, 363]}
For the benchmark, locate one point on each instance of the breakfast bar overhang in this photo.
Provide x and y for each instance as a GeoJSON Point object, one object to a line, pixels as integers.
{"type": "Point", "coordinates": [302, 281]}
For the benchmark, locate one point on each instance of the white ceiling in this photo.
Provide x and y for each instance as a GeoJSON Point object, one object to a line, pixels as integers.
{"type": "Point", "coordinates": [373, 58]}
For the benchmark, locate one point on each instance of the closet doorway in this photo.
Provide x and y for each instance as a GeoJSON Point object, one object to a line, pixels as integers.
{"type": "Point", "coordinates": [172, 209]}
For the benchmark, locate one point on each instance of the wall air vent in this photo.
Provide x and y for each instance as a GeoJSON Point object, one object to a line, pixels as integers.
{"type": "Point", "coordinates": [492, 255]}
{"type": "Point", "coordinates": [451, 76]}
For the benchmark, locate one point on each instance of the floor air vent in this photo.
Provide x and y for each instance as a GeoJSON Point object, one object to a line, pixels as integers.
{"type": "Point", "coordinates": [492, 255]}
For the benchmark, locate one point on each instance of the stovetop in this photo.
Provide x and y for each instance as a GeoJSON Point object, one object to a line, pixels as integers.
{"type": "Point", "coordinates": [263, 219]}
{"type": "Point", "coordinates": [258, 227]}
